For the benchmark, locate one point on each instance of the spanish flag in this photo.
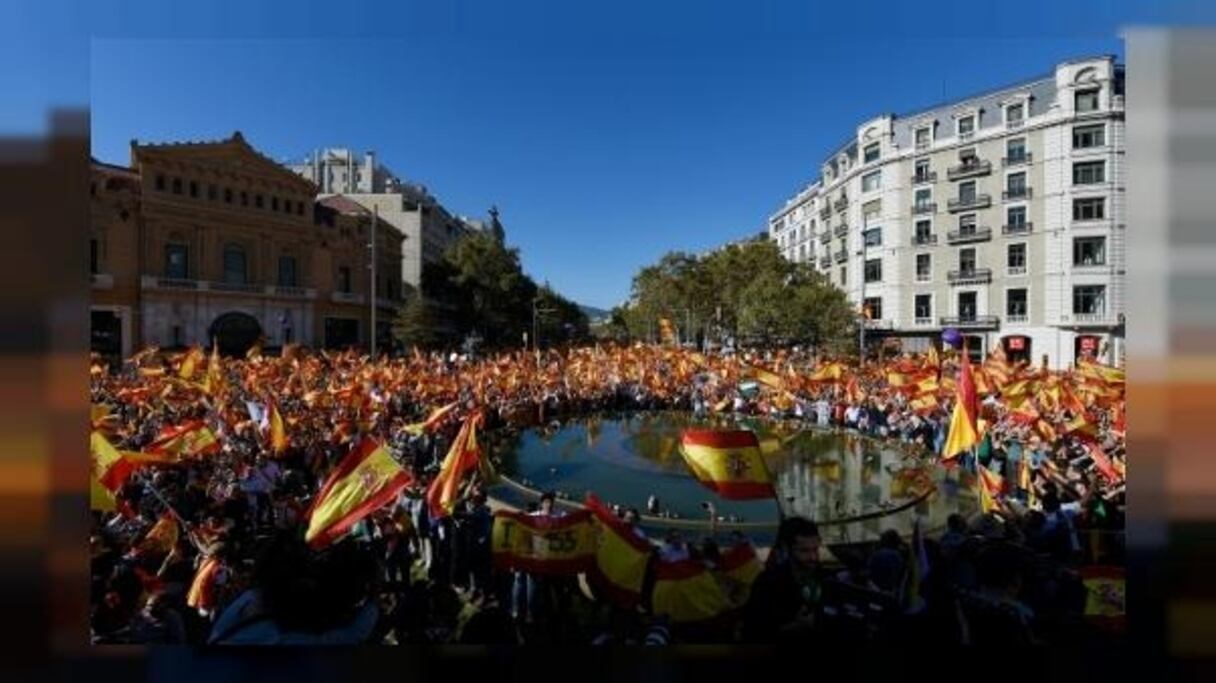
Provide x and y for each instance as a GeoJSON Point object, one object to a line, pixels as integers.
{"type": "Point", "coordinates": [541, 544]}
{"type": "Point", "coordinates": [830, 372]}
{"type": "Point", "coordinates": [432, 420]}
{"type": "Point", "coordinates": [963, 434]}
{"type": "Point", "coordinates": [463, 457]}
{"type": "Point", "coordinates": [990, 485]}
{"type": "Point", "coordinates": [686, 591]}
{"type": "Point", "coordinates": [365, 480]}
{"type": "Point", "coordinates": [738, 568]}
{"type": "Point", "coordinates": [110, 468]}
{"type": "Point", "coordinates": [278, 432]}
{"type": "Point", "coordinates": [621, 557]}
{"type": "Point", "coordinates": [161, 538]}
{"type": "Point", "coordinates": [190, 363]}
{"type": "Point", "coordinates": [767, 378]}
{"type": "Point", "coordinates": [185, 440]}
{"type": "Point", "coordinates": [728, 462]}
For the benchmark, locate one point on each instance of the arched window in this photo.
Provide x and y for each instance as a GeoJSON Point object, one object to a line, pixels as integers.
{"type": "Point", "coordinates": [234, 264]}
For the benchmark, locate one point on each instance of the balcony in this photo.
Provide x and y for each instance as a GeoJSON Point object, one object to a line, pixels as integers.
{"type": "Point", "coordinates": [1025, 158]}
{"type": "Point", "coordinates": [101, 280]}
{"type": "Point", "coordinates": [825, 261]}
{"type": "Point", "coordinates": [825, 237]}
{"type": "Point", "coordinates": [1099, 318]}
{"type": "Point", "coordinates": [841, 204]}
{"type": "Point", "coordinates": [825, 212]}
{"type": "Point", "coordinates": [971, 321]}
{"type": "Point", "coordinates": [1014, 124]}
{"type": "Point", "coordinates": [1015, 193]}
{"type": "Point", "coordinates": [972, 276]}
{"type": "Point", "coordinates": [924, 240]}
{"type": "Point", "coordinates": [238, 287]}
{"type": "Point", "coordinates": [922, 322]}
{"type": "Point", "coordinates": [1017, 229]}
{"type": "Point", "coordinates": [930, 177]}
{"type": "Point", "coordinates": [969, 170]}
{"type": "Point", "coordinates": [979, 201]}
{"type": "Point", "coordinates": [840, 230]}
{"type": "Point", "coordinates": [973, 235]}
{"type": "Point", "coordinates": [879, 325]}
{"type": "Point", "coordinates": [291, 292]}
{"type": "Point", "coordinates": [154, 282]}
{"type": "Point", "coordinates": [1020, 319]}
{"type": "Point", "coordinates": [967, 135]}
{"type": "Point", "coordinates": [841, 256]}
{"type": "Point", "coordinates": [347, 298]}
{"type": "Point", "coordinates": [924, 208]}
{"type": "Point", "coordinates": [1016, 270]}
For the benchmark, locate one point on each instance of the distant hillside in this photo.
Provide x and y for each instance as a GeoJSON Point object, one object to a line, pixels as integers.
{"type": "Point", "coordinates": [593, 314]}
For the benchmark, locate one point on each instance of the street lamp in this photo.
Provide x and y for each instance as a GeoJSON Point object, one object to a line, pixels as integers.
{"type": "Point", "coordinates": [536, 313]}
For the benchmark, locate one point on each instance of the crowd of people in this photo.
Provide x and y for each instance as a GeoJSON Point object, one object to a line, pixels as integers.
{"type": "Point", "coordinates": [209, 548]}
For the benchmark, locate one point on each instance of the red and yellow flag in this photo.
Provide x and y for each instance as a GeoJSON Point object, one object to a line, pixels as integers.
{"type": "Point", "coordinates": [463, 457]}
{"type": "Point", "coordinates": [433, 420]}
{"type": "Point", "coordinates": [278, 432]}
{"type": "Point", "coordinates": [990, 485]}
{"type": "Point", "coordinates": [830, 372]}
{"type": "Point", "coordinates": [365, 480]}
{"type": "Point", "coordinates": [185, 440]}
{"type": "Point", "coordinates": [686, 591]}
{"type": "Point", "coordinates": [161, 537]}
{"type": "Point", "coordinates": [728, 462]}
{"type": "Point", "coordinates": [621, 557]}
{"type": "Point", "coordinates": [190, 363]}
{"type": "Point", "coordinates": [110, 468]}
{"type": "Point", "coordinates": [543, 544]}
{"type": "Point", "coordinates": [963, 434]}
{"type": "Point", "coordinates": [738, 568]}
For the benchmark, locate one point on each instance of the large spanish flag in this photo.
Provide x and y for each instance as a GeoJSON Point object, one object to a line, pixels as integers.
{"type": "Point", "coordinates": [686, 591]}
{"type": "Point", "coordinates": [110, 468]}
{"type": "Point", "coordinates": [963, 434]}
{"type": "Point", "coordinates": [621, 557]}
{"type": "Point", "coordinates": [543, 544]}
{"type": "Point", "coordinates": [185, 440]}
{"type": "Point", "coordinates": [366, 479]}
{"type": "Point", "coordinates": [830, 372]}
{"type": "Point", "coordinates": [728, 462]}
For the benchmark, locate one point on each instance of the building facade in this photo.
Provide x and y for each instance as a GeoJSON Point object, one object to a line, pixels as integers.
{"type": "Point", "coordinates": [1001, 215]}
{"type": "Point", "coordinates": [428, 227]}
{"type": "Point", "coordinates": [211, 240]}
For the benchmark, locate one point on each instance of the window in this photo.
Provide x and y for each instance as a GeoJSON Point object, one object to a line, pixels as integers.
{"type": "Point", "coordinates": [177, 186]}
{"type": "Point", "coordinates": [922, 171]}
{"type": "Point", "coordinates": [213, 192]}
{"type": "Point", "coordinates": [274, 203]}
{"type": "Point", "coordinates": [1015, 184]}
{"type": "Point", "coordinates": [299, 208]}
{"type": "Point", "coordinates": [1015, 151]}
{"type": "Point", "coordinates": [873, 307]}
{"type": "Point", "coordinates": [1088, 136]}
{"type": "Point", "coordinates": [344, 279]}
{"type": "Point", "coordinates": [870, 211]}
{"type": "Point", "coordinates": [966, 126]}
{"type": "Point", "coordinates": [966, 224]}
{"type": "Point", "coordinates": [922, 198]}
{"type": "Point", "coordinates": [1014, 114]}
{"type": "Point", "coordinates": [966, 192]}
{"type": "Point", "coordinates": [1089, 209]}
{"type": "Point", "coordinates": [1086, 100]}
{"type": "Point", "coordinates": [966, 260]}
{"type": "Point", "coordinates": [244, 198]}
{"type": "Point", "coordinates": [1089, 300]}
{"type": "Point", "coordinates": [873, 270]}
{"type": "Point", "coordinates": [872, 152]}
{"type": "Point", "coordinates": [1016, 216]}
{"type": "Point", "coordinates": [160, 182]}
{"type": "Point", "coordinates": [923, 230]}
{"type": "Point", "coordinates": [1015, 303]}
{"type": "Point", "coordinates": [923, 307]}
{"type": "Point", "coordinates": [194, 189]}
{"type": "Point", "coordinates": [871, 181]}
{"type": "Point", "coordinates": [844, 279]}
{"type": "Point", "coordinates": [968, 157]}
{"type": "Point", "coordinates": [257, 201]}
{"type": "Point", "coordinates": [1088, 172]}
{"type": "Point", "coordinates": [177, 261]}
{"type": "Point", "coordinates": [966, 305]}
{"type": "Point", "coordinates": [1016, 258]}
{"type": "Point", "coordinates": [227, 195]}
{"type": "Point", "coordinates": [93, 256]}
{"type": "Point", "coordinates": [287, 271]}
{"type": "Point", "coordinates": [922, 137]}
{"type": "Point", "coordinates": [924, 267]}
{"type": "Point", "coordinates": [234, 264]}
{"type": "Point", "coordinates": [1089, 251]}
{"type": "Point", "coordinates": [873, 237]}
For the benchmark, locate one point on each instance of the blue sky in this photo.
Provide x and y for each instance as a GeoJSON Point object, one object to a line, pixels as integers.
{"type": "Point", "coordinates": [607, 133]}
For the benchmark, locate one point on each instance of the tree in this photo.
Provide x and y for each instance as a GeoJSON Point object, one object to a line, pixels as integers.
{"type": "Point", "coordinates": [416, 324]}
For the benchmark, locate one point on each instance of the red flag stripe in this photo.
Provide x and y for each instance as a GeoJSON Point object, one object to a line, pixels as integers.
{"type": "Point", "coordinates": [720, 439]}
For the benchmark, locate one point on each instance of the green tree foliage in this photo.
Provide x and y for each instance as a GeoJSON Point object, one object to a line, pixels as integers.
{"type": "Point", "coordinates": [479, 289]}
{"type": "Point", "coordinates": [747, 291]}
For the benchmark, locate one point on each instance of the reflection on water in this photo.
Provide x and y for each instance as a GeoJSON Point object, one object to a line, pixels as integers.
{"type": "Point", "coordinates": [822, 475]}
